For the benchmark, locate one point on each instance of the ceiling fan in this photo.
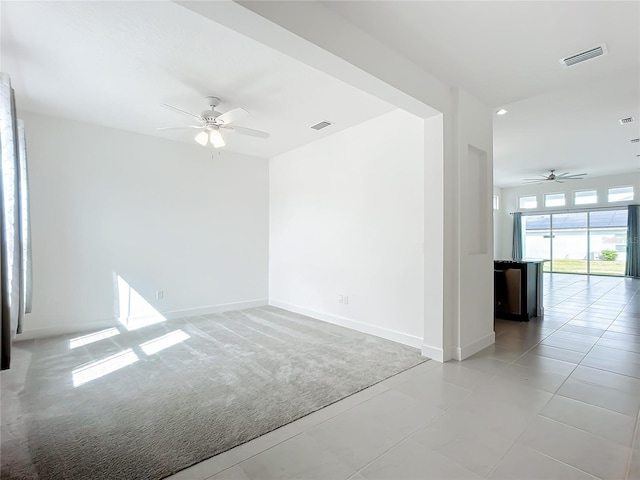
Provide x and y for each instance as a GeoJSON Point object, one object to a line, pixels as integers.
{"type": "Point", "coordinates": [211, 122]}
{"type": "Point", "coordinates": [552, 177]}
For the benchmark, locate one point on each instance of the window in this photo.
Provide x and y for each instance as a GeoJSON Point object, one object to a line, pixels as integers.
{"type": "Point", "coordinates": [569, 242]}
{"type": "Point", "coordinates": [537, 237]}
{"type": "Point", "coordinates": [554, 200]}
{"type": "Point", "coordinates": [620, 194]}
{"type": "Point", "coordinates": [591, 242]}
{"type": "Point", "coordinates": [528, 201]}
{"type": "Point", "coordinates": [608, 241]}
{"type": "Point", "coordinates": [496, 202]}
{"type": "Point", "coordinates": [585, 197]}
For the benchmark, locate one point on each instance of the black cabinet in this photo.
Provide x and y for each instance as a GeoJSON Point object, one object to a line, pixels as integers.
{"type": "Point", "coordinates": [517, 289]}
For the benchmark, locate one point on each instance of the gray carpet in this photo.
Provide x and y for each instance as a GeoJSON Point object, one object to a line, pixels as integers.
{"type": "Point", "coordinates": [239, 375]}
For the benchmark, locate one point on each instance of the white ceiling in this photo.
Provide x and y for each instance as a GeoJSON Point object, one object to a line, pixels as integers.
{"type": "Point", "coordinates": [507, 54]}
{"type": "Point", "coordinates": [115, 63]}
{"type": "Point", "coordinates": [503, 51]}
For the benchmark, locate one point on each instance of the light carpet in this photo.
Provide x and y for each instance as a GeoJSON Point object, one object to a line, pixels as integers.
{"type": "Point", "coordinates": [176, 393]}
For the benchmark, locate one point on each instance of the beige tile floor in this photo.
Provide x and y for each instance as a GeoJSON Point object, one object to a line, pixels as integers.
{"type": "Point", "coordinates": [555, 398]}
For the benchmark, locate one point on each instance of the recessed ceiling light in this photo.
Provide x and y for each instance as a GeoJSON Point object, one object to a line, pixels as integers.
{"type": "Point", "coordinates": [502, 111]}
{"type": "Point", "coordinates": [626, 120]}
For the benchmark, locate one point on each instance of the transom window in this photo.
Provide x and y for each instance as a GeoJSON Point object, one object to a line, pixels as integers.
{"type": "Point", "coordinates": [530, 201]}
{"type": "Point", "coordinates": [620, 194]}
{"type": "Point", "coordinates": [585, 197]}
{"type": "Point", "coordinates": [554, 200]}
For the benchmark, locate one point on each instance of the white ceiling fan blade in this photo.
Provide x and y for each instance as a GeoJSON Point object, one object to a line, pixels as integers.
{"type": "Point", "coordinates": [232, 116]}
{"type": "Point", "coordinates": [182, 111]}
{"type": "Point", "coordinates": [184, 126]}
{"type": "Point", "coordinates": [246, 131]}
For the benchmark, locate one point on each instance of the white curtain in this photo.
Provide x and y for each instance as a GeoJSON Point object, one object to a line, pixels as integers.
{"type": "Point", "coordinates": [15, 244]}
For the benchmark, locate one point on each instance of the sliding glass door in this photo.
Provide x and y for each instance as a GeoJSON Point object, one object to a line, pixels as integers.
{"type": "Point", "coordinates": [608, 239]}
{"type": "Point", "coordinates": [570, 243]}
{"type": "Point", "coordinates": [578, 242]}
{"type": "Point", "coordinates": [537, 237]}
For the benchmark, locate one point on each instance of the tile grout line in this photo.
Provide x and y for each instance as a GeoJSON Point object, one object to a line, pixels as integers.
{"type": "Point", "coordinates": [554, 394]}
{"type": "Point", "coordinates": [633, 446]}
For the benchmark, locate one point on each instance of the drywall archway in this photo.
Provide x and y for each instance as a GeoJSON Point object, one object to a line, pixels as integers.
{"type": "Point", "coordinates": [458, 291]}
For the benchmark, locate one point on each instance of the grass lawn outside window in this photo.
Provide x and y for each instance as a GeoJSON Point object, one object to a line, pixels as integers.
{"type": "Point", "coordinates": [598, 267]}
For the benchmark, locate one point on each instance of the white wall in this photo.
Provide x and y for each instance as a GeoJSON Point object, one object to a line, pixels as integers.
{"type": "Point", "coordinates": [470, 248]}
{"type": "Point", "coordinates": [347, 218]}
{"type": "Point", "coordinates": [509, 200]}
{"type": "Point", "coordinates": [161, 215]}
{"type": "Point", "coordinates": [434, 240]}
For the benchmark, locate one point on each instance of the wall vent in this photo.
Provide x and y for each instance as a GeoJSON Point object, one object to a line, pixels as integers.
{"type": "Point", "coordinates": [583, 56]}
{"type": "Point", "coordinates": [626, 120]}
{"type": "Point", "coordinates": [635, 140]}
{"type": "Point", "coordinates": [321, 125]}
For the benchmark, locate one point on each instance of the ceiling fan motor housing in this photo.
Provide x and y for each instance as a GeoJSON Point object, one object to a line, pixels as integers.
{"type": "Point", "coordinates": [210, 116]}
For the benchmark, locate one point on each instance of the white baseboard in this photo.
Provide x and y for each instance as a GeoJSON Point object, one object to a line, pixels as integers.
{"type": "Point", "coordinates": [64, 329]}
{"type": "Point", "coordinates": [223, 307]}
{"type": "Point", "coordinates": [381, 332]}
{"type": "Point", "coordinates": [434, 353]}
{"type": "Point", "coordinates": [437, 353]}
{"type": "Point", "coordinates": [475, 346]}
{"type": "Point", "coordinates": [458, 353]}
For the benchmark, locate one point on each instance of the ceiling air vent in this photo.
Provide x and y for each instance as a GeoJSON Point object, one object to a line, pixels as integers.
{"type": "Point", "coordinates": [583, 56]}
{"type": "Point", "coordinates": [321, 125]}
{"type": "Point", "coordinates": [626, 120]}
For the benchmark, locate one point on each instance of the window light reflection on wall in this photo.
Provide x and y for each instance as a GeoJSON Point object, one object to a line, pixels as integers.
{"type": "Point", "coordinates": [134, 311]}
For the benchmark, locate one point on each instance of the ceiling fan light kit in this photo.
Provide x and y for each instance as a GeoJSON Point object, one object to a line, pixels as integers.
{"type": "Point", "coordinates": [211, 122]}
{"type": "Point", "coordinates": [212, 136]}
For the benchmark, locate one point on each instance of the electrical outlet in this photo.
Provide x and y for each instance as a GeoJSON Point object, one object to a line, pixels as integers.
{"type": "Point", "coordinates": [159, 294]}
{"type": "Point", "coordinates": [340, 299]}
{"type": "Point", "coordinates": [345, 299]}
